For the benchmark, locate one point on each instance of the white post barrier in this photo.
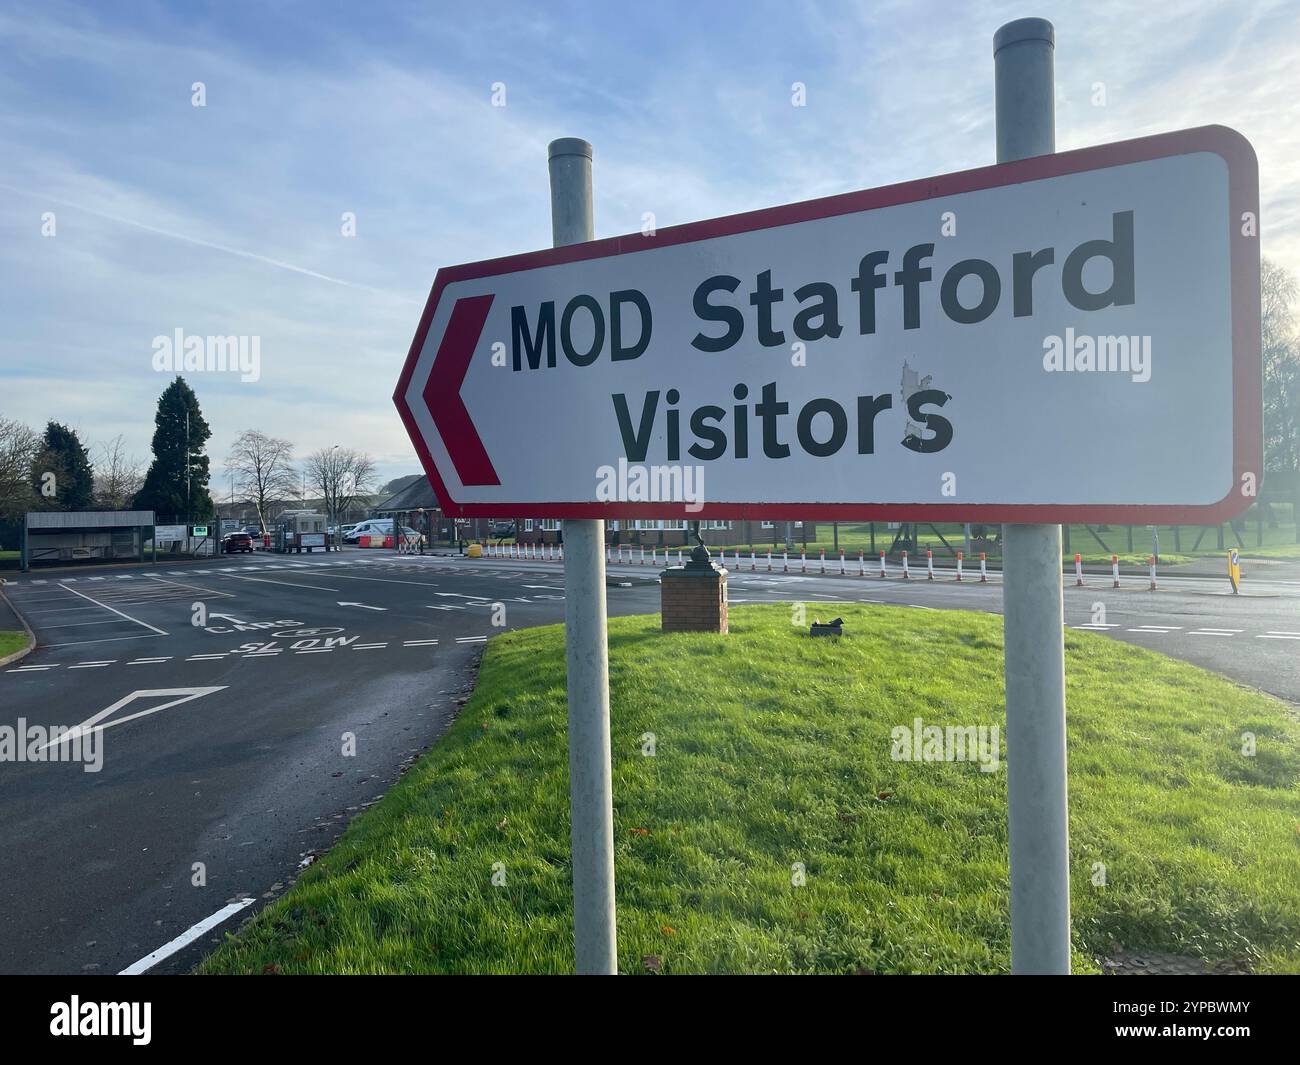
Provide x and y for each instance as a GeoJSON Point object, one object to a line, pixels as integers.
{"type": "Point", "coordinates": [1151, 561]}
{"type": "Point", "coordinates": [1114, 570]}
{"type": "Point", "coordinates": [823, 559]}
{"type": "Point", "coordinates": [984, 569]}
{"type": "Point", "coordinates": [803, 561]}
{"type": "Point", "coordinates": [929, 565]}
{"type": "Point", "coordinates": [680, 561]}
{"type": "Point", "coordinates": [1078, 570]}
{"type": "Point", "coordinates": [882, 564]}
{"type": "Point", "coordinates": [753, 561]}
{"type": "Point", "coordinates": [769, 562]}
{"type": "Point", "coordinates": [862, 564]}
{"type": "Point", "coordinates": [654, 556]}
{"type": "Point", "coordinates": [643, 554]}
{"type": "Point", "coordinates": [586, 648]}
{"type": "Point", "coordinates": [841, 562]}
{"type": "Point", "coordinates": [905, 575]}
{"type": "Point", "coordinates": [959, 565]}
{"type": "Point", "coordinates": [785, 561]}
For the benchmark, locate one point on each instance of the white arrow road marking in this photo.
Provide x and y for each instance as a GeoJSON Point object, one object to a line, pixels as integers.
{"type": "Point", "coordinates": [228, 617]}
{"type": "Point", "coordinates": [363, 606]}
{"type": "Point", "coordinates": [184, 939]}
{"type": "Point", "coordinates": [90, 724]}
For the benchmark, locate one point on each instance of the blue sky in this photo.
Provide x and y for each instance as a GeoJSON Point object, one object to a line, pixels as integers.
{"type": "Point", "coordinates": [225, 219]}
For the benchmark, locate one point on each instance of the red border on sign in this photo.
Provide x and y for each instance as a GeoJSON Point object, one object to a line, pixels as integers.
{"type": "Point", "coordinates": [1247, 447]}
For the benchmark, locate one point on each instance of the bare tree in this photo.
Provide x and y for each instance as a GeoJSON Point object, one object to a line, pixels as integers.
{"type": "Point", "coordinates": [1281, 353]}
{"type": "Point", "coordinates": [263, 469]}
{"type": "Point", "coordinates": [341, 475]}
{"type": "Point", "coordinates": [118, 475]}
{"type": "Point", "coordinates": [19, 446]}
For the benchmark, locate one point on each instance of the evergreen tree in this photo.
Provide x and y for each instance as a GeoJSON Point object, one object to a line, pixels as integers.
{"type": "Point", "coordinates": [61, 475]}
{"type": "Point", "coordinates": [165, 491]}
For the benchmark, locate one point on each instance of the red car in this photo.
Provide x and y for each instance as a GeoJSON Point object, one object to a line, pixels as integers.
{"type": "Point", "coordinates": [237, 541]}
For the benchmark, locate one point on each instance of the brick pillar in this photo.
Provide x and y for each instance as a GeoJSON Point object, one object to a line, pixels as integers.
{"type": "Point", "coordinates": [693, 597]}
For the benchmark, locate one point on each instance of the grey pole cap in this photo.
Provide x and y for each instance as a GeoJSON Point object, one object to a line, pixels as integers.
{"type": "Point", "coordinates": [569, 146]}
{"type": "Point", "coordinates": [1024, 29]}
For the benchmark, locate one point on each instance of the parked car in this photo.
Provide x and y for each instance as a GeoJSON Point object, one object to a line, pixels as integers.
{"type": "Point", "coordinates": [503, 530]}
{"type": "Point", "coordinates": [237, 541]}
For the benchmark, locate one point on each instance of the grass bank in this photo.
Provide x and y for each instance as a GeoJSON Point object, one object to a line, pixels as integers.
{"type": "Point", "coordinates": [772, 751]}
{"type": "Point", "coordinates": [11, 641]}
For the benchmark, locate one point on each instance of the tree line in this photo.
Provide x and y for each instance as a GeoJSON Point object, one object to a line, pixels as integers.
{"type": "Point", "coordinates": [55, 470]}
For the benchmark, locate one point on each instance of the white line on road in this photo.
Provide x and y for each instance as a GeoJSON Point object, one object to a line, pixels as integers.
{"type": "Point", "coordinates": [118, 612]}
{"type": "Point", "coordinates": [185, 938]}
{"type": "Point", "coordinates": [287, 584]}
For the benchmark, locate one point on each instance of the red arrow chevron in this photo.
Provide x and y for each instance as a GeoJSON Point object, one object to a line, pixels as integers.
{"type": "Point", "coordinates": [442, 393]}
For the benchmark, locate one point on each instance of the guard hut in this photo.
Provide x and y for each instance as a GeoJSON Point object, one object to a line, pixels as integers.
{"type": "Point", "coordinates": [51, 537]}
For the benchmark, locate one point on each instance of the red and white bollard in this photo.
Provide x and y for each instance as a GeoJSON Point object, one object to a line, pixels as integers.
{"type": "Point", "coordinates": [561, 551]}
{"type": "Point", "coordinates": [643, 554]}
{"type": "Point", "coordinates": [679, 557]}
{"type": "Point", "coordinates": [862, 565]}
{"type": "Point", "coordinates": [984, 570]}
{"type": "Point", "coordinates": [959, 565]}
{"type": "Point", "coordinates": [753, 561]}
{"type": "Point", "coordinates": [841, 562]}
{"type": "Point", "coordinates": [1078, 570]}
{"type": "Point", "coordinates": [882, 564]}
{"type": "Point", "coordinates": [823, 559]}
{"type": "Point", "coordinates": [785, 561]}
{"type": "Point", "coordinates": [654, 557]}
{"type": "Point", "coordinates": [1151, 561]}
{"type": "Point", "coordinates": [1114, 569]}
{"type": "Point", "coordinates": [803, 561]}
{"type": "Point", "coordinates": [769, 562]}
{"type": "Point", "coordinates": [905, 574]}
{"type": "Point", "coordinates": [929, 565]}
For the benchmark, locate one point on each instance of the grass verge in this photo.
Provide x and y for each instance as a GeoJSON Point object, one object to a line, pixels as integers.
{"type": "Point", "coordinates": [11, 641]}
{"type": "Point", "coordinates": [771, 749]}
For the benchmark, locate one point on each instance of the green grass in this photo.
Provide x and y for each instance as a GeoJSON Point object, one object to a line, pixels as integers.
{"type": "Point", "coordinates": [774, 749]}
{"type": "Point", "coordinates": [11, 642]}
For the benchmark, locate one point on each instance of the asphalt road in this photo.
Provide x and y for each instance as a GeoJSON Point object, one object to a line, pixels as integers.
{"type": "Point", "coordinates": [250, 706]}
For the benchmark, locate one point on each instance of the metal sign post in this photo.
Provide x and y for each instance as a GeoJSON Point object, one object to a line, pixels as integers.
{"type": "Point", "coordinates": [1034, 619]}
{"type": "Point", "coordinates": [591, 792]}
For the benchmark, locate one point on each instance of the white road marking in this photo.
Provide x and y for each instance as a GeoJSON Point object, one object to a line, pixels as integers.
{"type": "Point", "coordinates": [363, 606]}
{"type": "Point", "coordinates": [367, 646]}
{"type": "Point", "coordinates": [91, 724]}
{"type": "Point", "coordinates": [90, 665]}
{"type": "Point", "coordinates": [1214, 632]}
{"type": "Point", "coordinates": [128, 617]}
{"type": "Point", "coordinates": [109, 639]}
{"type": "Point", "coordinates": [471, 639]}
{"type": "Point", "coordinates": [419, 643]}
{"type": "Point", "coordinates": [185, 938]}
{"type": "Point", "coordinates": [287, 584]}
{"type": "Point", "coordinates": [148, 661]}
{"type": "Point", "coordinates": [1279, 636]}
{"type": "Point", "coordinates": [314, 651]}
{"type": "Point", "coordinates": [30, 669]}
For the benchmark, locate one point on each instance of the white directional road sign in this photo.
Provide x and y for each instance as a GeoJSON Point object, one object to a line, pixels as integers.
{"type": "Point", "coordinates": [1069, 337]}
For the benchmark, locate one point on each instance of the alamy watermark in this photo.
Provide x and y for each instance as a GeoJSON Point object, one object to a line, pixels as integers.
{"type": "Point", "coordinates": [52, 743]}
{"type": "Point", "coordinates": [179, 353]}
{"type": "Point", "coordinates": [947, 743]}
{"type": "Point", "coordinates": [637, 483]}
